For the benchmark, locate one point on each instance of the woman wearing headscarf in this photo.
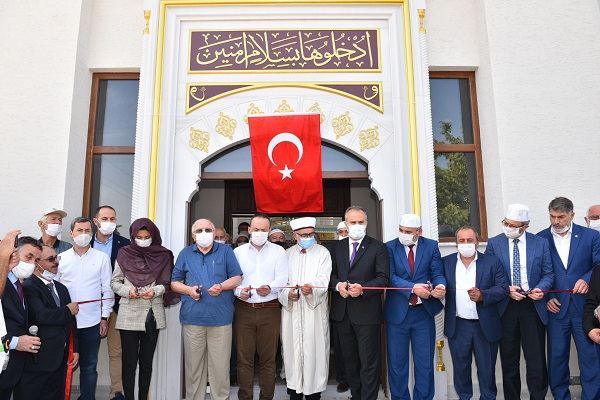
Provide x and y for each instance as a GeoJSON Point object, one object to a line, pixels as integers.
{"type": "Point", "coordinates": [142, 278]}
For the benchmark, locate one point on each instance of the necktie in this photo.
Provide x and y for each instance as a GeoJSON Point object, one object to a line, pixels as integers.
{"type": "Point", "coordinates": [516, 264]}
{"type": "Point", "coordinates": [20, 290]}
{"type": "Point", "coordinates": [355, 244]}
{"type": "Point", "coordinates": [303, 251]}
{"type": "Point", "coordinates": [54, 295]}
{"type": "Point", "coordinates": [411, 263]}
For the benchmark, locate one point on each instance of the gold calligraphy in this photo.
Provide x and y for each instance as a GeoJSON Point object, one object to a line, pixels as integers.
{"type": "Point", "coordinates": [199, 139]}
{"type": "Point", "coordinates": [369, 138]}
{"type": "Point", "coordinates": [193, 91]}
{"type": "Point", "coordinates": [226, 126]}
{"type": "Point", "coordinates": [342, 125]}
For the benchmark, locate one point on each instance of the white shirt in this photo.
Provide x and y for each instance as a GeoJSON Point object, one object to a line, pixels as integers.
{"type": "Point", "coordinates": [267, 266]}
{"type": "Point", "coordinates": [465, 280]}
{"type": "Point", "coordinates": [563, 245]}
{"type": "Point", "coordinates": [522, 245]}
{"type": "Point", "coordinates": [88, 278]}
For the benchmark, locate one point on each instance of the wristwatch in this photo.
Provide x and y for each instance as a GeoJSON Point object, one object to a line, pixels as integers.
{"type": "Point", "coordinates": [5, 343]}
{"type": "Point", "coordinates": [596, 312]}
{"type": "Point", "coordinates": [104, 318]}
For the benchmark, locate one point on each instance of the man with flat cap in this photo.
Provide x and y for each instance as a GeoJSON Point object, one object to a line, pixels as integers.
{"type": "Point", "coordinates": [304, 316]}
{"type": "Point", "coordinates": [528, 265]}
{"type": "Point", "coordinates": [415, 262]}
{"type": "Point", "coordinates": [50, 224]}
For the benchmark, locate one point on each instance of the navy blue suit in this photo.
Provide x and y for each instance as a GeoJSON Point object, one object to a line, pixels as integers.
{"type": "Point", "coordinates": [407, 324]}
{"type": "Point", "coordinates": [15, 317]}
{"type": "Point", "coordinates": [584, 251]}
{"type": "Point", "coordinates": [524, 322]}
{"type": "Point", "coordinates": [479, 336]}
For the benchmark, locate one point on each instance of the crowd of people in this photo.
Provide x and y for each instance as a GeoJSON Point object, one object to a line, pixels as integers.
{"type": "Point", "coordinates": [243, 301]}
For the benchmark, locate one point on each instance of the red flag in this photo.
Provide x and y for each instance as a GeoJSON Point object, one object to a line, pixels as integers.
{"type": "Point", "coordinates": [286, 163]}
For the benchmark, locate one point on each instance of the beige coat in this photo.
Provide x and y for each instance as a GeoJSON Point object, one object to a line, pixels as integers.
{"type": "Point", "coordinates": [132, 312]}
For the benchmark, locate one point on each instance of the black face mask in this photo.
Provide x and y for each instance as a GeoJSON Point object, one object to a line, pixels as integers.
{"type": "Point", "coordinates": [282, 244]}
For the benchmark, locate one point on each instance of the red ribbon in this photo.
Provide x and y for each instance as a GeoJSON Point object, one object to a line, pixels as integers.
{"type": "Point", "coordinates": [70, 367]}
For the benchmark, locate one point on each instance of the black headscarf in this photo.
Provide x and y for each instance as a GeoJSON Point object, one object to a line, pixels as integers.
{"type": "Point", "coordinates": [144, 265]}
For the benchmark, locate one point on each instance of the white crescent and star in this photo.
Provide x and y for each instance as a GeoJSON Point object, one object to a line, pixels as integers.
{"type": "Point", "coordinates": [285, 137]}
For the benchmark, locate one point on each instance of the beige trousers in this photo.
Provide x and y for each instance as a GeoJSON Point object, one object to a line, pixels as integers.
{"type": "Point", "coordinates": [207, 350]}
{"type": "Point", "coordinates": [113, 340]}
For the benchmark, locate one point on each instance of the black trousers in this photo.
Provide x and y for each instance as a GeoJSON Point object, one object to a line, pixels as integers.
{"type": "Point", "coordinates": [41, 385]}
{"type": "Point", "coordinates": [137, 347]}
{"type": "Point", "coordinates": [299, 396]}
{"type": "Point", "coordinates": [362, 357]}
{"type": "Point", "coordinates": [522, 327]}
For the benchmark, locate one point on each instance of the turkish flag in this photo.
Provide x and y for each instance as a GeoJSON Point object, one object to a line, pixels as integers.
{"type": "Point", "coordinates": [286, 163]}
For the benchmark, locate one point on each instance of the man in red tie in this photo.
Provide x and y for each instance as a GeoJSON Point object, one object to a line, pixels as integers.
{"type": "Point", "coordinates": [416, 269]}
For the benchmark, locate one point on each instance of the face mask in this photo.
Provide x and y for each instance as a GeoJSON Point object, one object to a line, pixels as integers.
{"type": "Point", "coordinates": [144, 242]}
{"type": "Point", "coordinates": [259, 238]}
{"type": "Point", "coordinates": [282, 244]}
{"type": "Point", "coordinates": [595, 224]}
{"type": "Point", "coordinates": [466, 250]}
{"type": "Point", "coordinates": [511, 233]}
{"type": "Point", "coordinates": [406, 239]}
{"type": "Point", "coordinates": [23, 270]}
{"type": "Point", "coordinates": [47, 275]}
{"type": "Point", "coordinates": [82, 240]}
{"type": "Point", "coordinates": [563, 230]}
{"type": "Point", "coordinates": [204, 239]}
{"type": "Point", "coordinates": [107, 228]}
{"type": "Point", "coordinates": [307, 243]}
{"type": "Point", "coordinates": [220, 241]}
{"type": "Point", "coordinates": [357, 232]}
{"type": "Point", "coordinates": [54, 230]}
{"type": "Point", "coordinates": [342, 237]}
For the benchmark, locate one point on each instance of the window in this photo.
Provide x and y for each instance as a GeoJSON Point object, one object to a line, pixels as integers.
{"type": "Point", "coordinates": [457, 152]}
{"type": "Point", "coordinates": [111, 145]}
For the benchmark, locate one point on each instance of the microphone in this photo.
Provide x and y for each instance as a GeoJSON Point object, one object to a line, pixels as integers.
{"type": "Point", "coordinates": [33, 331]}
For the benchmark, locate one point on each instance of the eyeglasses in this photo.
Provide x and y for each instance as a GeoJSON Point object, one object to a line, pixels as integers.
{"type": "Point", "coordinates": [51, 259]}
{"type": "Point", "coordinates": [306, 235]}
{"type": "Point", "coordinates": [506, 224]}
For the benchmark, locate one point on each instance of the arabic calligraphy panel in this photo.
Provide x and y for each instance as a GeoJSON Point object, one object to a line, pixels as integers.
{"type": "Point", "coordinates": [271, 50]}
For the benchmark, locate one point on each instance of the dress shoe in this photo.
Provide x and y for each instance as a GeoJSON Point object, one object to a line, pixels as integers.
{"type": "Point", "coordinates": [233, 380]}
{"type": "Point", "coordinates": [342, 387]}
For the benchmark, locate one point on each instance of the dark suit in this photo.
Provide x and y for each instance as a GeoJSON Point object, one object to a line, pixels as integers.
{"type": "Point", "coordinates": [593, 301]}
{"type": "Point", "coordinates": [46, 378]}
{"type": "Point", "coordinates": [407, 324]}
{"type": "Point", "coordinates": [118, 241]}
{"type": "Point", "coordinates": [359, 318]}
{"type": "Point", "coordinates": [479, 336]}
{"type": "Point", "coordinates": [524, 322]}
{"type": "Point", "coordinates": [584, 251]}
{"type": "Point", "coordinates": [15, 317]}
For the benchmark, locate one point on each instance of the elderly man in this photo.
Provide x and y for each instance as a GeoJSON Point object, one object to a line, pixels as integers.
{"type": "Point", "coordinates": [574, 249]}
{"type": "Point", "coordinates": [342, 231]}
{"type": "Point", "coordinates": [257, 309]}
{"type": "Point", "coordinates": [472, 321]}
{"type": "Point", "coordinates": [304, 317]}
{"type": "Point", "coordinates": [109, 243]}
{"type": "Point", "coordinates": [205, 274]}
{"type": "Point", "coordinates": [220, 235]}
{"type": "Point", "coordinates": [527, 262]}
{"type": "Point", "coordinates": [15, 309]}
{"type": "Point", "coordinates": [277, 236]}
{"type": "Point", "coordinates": [415, 262]}
{"type": "Point", "coordinates": [359, 261]}
{"type": "Point", "coordinates": [593, 217]}
{"type": "Point", "coordinates": [50, 224]}
{"type": "Point", "coordinates": [51, 310]}
{"type": "Point", "coordinates": [86, 272]}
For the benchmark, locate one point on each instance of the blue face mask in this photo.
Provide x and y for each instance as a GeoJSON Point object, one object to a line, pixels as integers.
{"type": "Point", "coordinates": [307, 243]}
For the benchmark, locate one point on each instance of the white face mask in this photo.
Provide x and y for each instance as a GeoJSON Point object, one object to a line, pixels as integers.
{"type": "Point", "coordinates": [259, 238]}
{"type": "Point", "coordinates": [595, 224]}
{"type": "Point", "coordinates": [23, 270]}
{"type": "Point", "coordinates": [466, 250]}
{"type": "Point", "coordinates": [342, 237]}
{"type": "Point", "coordinates": [563, 230]}
{"type": "Point", "coordinates": [357, 232]}
{"type": "Point", "coordinates": [82, 240]}
{"type": "Point", "coordinates": [144, 242]}
{"type": "Point", "coordinates": [204, 239]}
{"type": "Point", "coordinates": [511, 233]}
{"type": "Point", "coordinates": [54, 230]}
{"type": "Point", "coordinates": [47, 275]}
{"type": "Point", "coordinates": [107, 228]}
{"type": "Point", "coordinates": [220, 241]}
{"type": "Point", "coordinates": [406, 239]}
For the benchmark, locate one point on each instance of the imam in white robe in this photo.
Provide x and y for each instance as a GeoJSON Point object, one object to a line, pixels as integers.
{"type": "Point", "coordinates": [305, 323]}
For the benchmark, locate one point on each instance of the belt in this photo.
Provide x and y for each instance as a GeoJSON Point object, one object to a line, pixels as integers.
{"type": "Point", "coordinates": [410, 306]}
{"type": "Point", "coordinates": [266, 304]}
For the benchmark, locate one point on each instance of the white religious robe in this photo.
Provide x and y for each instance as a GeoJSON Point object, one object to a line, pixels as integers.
{"type": "Point", "coordinates": [305, 323]}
